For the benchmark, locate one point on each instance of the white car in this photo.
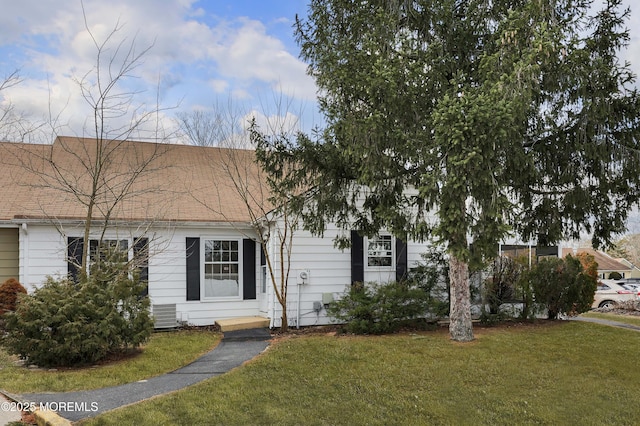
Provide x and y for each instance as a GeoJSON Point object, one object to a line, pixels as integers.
{"type": "Point", "coordinates": [633, 286]}
{"type": "Point", "coordinates": [609, 292]}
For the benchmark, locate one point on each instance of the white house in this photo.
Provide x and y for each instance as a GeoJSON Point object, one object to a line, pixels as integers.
{"type": "Point", "coordinates": [182, 219]}
{"type": "Point", "coordinates": [184, 222]}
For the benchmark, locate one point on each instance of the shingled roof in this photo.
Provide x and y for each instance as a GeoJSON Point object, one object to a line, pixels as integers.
{"type": "Point", "coordinates": [175, 183]}
{"type": "Point", "coordinates": [605, 262]}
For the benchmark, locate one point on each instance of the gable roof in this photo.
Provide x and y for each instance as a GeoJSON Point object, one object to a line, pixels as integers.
{"type": "Point", "coordinates": [605, 262]}
{"type": "Point", "coordinates": [175, 183]}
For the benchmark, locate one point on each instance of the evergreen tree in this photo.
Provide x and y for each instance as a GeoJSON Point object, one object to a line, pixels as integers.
{"type": "Point", "coordinates": [501, 115]}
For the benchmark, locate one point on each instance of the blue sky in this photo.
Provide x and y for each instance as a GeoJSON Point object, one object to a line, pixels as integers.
{"type": "Point", "coordinates": [205, 54]}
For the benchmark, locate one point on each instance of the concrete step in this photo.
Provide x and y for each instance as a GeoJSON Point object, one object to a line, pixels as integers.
{"type": "Point", "coordinates": [242, 323]}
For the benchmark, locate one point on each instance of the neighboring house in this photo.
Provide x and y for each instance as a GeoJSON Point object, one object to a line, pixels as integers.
{"type": "Point", "coordinates": [634, 270]}
{"type": "Point", "coordinates": [606, 263]}
{"type": "Point", "coordinates": [187, 227]}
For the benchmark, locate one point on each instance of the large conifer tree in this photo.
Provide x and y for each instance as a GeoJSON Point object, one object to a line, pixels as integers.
{"type": "Point", "coordinates": [503, 115]}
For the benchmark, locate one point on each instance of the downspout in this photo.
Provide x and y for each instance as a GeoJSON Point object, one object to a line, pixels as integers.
{"type": "Point", "coordinates": [298, 307]}
{"type": "Point", "coordinates": [273, 310]}
{"type": "Point", "coordinates": [270, 287]}
{"type": "Point", "coordinates": [24, 249]}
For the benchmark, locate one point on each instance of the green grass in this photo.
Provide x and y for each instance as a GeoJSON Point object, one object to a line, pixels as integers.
{"type": "Point", "coordinates": [563, 373]}
{"type": "Point", "coordinates": [627, 319]}
{"type": "Point", "coordinates": [163, 353]}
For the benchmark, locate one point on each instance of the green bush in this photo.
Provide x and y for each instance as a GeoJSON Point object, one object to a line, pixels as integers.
{"type": "Point", "coordinates": [68, 324]}
{"type": "Point", "coordinates": [615, 275]}
{"type": "Point", "coordinates": [561, 286]}
{"type": "Point", "coordinates": [500, 286]}
{"type": "Point", "coordinates": [432, 276]}
{"type": "Point", "coordinates": [9, 291]}
{"type": "Point", "coordinates": [379, 308]}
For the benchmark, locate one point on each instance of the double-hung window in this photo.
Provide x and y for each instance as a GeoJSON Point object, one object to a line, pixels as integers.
{"type": "Point", "coordinates": [380, 252]}
{"type": "Point", "coordinates": [134, 251]}
{"type": "Point", "coordinates": [221, 268]}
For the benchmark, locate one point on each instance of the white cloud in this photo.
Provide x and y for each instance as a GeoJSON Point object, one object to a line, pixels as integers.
{"type": "Point", "coordinates": [193, 53]}
{"type": "Point", "coordinates": [253, 54]}
{"type": "Point", "coordinates": [219, 85]}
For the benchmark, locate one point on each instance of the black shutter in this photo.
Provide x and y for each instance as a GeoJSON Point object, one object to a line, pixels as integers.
{"type": "Point", "coordinates": [248, 269]}
{"type": "Point", "coordinates": [357, 258]}
{"type": "Point", "coordinates": [401, 259]}
{"type": "Point", "coordinates": [193, 268]}
{"type": "Point", "coordinates": [74, 257]}
{"type": "Point", "coordinates": [141, 259]}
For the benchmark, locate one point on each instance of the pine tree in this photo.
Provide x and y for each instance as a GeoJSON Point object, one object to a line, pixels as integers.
{"type": "Point", "coordinates": [503, 116]}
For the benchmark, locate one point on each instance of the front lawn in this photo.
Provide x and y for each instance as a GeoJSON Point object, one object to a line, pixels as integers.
{"type": "Point", "coordinates": [558, 373]}
{"type": "Point", "coordinates": [165, 352]}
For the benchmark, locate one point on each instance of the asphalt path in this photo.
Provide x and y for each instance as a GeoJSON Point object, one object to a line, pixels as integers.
{"type": "Point", "coordinates": [235, 348]}
{"type": "Point", "coordinates": [605, 322]}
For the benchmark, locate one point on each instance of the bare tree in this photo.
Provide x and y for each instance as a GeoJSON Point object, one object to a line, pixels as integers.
{"type": "Point", "coordinates": [271, 219]}
{"type": "Point", "coordinates": [14, 124]}
{"type": "Point", "coordinates": [103, 175]}
{"type": "Point", "coordinates": [6, 107]}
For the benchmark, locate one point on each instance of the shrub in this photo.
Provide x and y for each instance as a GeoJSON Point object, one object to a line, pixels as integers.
{"type": "Point", "coordinates": [68, 324]}
{"type": "Point", "coordinates": [379, 308]}
{"type": "Point", "coordinates": [589, 264]}
{"type": "Point", "coordinates": [615, 275]}
{"type": "Point", "coordinates": [561, 286]}
{"type": "Point", "coordinates": [432, 276]}
{"type": "Point", "coordinates": [9, 291]}
{"type": "Point", "coordinates": [500, 287]}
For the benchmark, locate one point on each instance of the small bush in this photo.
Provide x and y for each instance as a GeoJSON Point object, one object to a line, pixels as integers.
{"type": "Point", "coordinates": [500, 287]}
{"type": "Point", "coordinates": [9, 291]}
{"type": "Point", "coordinates": [432, 276]}
{"type": "Point", "coordinates": [68, 324]}
{"type": "Point", "coordinates": [615, 275]}
{"type": "Point", "coordinates": [379, 308]}
{"type": "Point", "coordinates": [628, 305]}
{"type": "Point", "coordinates": [561, 286]}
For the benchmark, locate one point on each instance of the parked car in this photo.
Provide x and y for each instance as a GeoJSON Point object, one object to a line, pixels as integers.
{"type": "Point", "coordinates": [609, 292]}
{"type": "Point", "coordinates": [633, 286]}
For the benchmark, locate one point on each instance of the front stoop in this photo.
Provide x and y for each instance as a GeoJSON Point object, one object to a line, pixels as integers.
{"type": "Point", "coordinates": [243, 323]}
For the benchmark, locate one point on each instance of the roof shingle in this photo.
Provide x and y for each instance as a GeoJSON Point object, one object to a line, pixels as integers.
{"type": "Point", "coordinates": [153, 182]}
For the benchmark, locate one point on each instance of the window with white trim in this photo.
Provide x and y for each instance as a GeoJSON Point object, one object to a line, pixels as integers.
{"type": "Point", "coordinates": [221, 268]}
{"type": "Point", "coordinates": [380, 252]}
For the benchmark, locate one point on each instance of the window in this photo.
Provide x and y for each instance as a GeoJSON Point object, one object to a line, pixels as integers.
{"type": "Point", "coordinates": [380, 252]}
{"type": "Point", "coordinates": [107, 251]}
{"type": "Point", "coordinates": [221, 268]}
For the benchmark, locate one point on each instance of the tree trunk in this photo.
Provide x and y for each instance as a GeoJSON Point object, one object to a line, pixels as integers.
{"type": "Point", "coordinates": [460, 327]}
{"type": "Point", "coordinates": [284, 326]}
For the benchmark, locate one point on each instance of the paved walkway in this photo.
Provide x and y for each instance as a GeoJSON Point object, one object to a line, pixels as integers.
{"type": "Point", "coordinates": [605, 322]}
{"type": "Point", "coordinates": [235, 348]}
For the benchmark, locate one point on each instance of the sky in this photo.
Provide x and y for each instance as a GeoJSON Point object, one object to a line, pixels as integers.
{"type": "Point", "coordinates": [233, 54]}
{"type": "Point", "coordinates": [203, 55]}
